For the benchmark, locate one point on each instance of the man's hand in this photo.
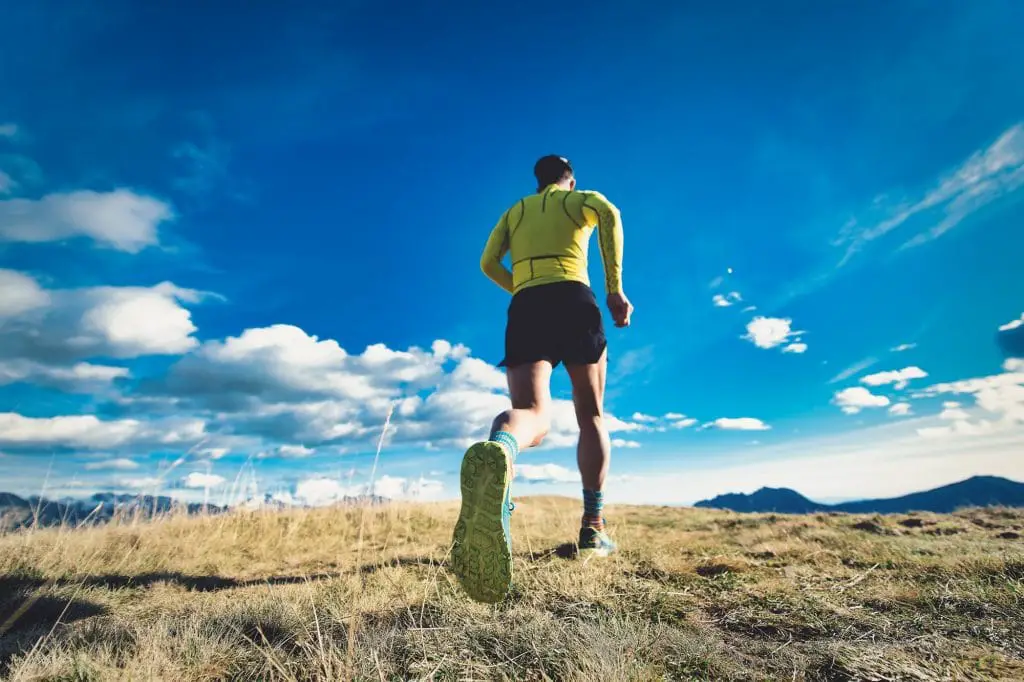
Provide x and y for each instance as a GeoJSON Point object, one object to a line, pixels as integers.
{"type": "Point", "coordinates": [620, 308]}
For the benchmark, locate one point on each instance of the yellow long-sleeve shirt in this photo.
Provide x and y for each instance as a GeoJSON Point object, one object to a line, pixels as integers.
{"type": "Point", "coordinates": [547, 235]}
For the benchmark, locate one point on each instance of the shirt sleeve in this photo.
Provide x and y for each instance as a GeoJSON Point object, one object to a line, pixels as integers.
{"type": "Point", "coordinates": [495, 249]}
{"type": "Point", "coordinates": [597, 210]}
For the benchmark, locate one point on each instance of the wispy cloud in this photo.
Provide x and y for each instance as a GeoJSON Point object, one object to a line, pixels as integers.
{"type": "Point", "coordinates": [903, 347]}
{"type": "Point", "coordinates": [8, 129]}
{"type": "Point", "coordinates": [203, 168]}
{"type": "Point", "coordinates": [1012, 324]}
{"type": "Point", "coordinates": [853, 370]}
{"type": "Point", "coordinates": [724, 301]}
{"type": "Point", "coordinates": [795, 348]}
{"type": "Point", "coordinates": [983, 178]}
{"type": "Point", "coordinates": [119, 463]}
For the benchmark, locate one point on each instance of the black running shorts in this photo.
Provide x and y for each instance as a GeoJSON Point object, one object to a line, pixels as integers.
{"type": "Point", "coordinates": [558, 322]}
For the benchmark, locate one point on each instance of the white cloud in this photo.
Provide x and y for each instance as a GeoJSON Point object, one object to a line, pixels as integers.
{"type": "Point", "coordinates": [545, 473]}
{"type": "Point", "coordinates": [1013, 365]}
{"type": "Point", "coordinates": [738, 424]}
{"type": "Point", "coordinates": [985, 177]}
{"type": "Point", "coordinates": [903, 347]}
{"type": "Point", "coordinates": [898, 378]}
{"type": "Point", "coordinates": [286, 386]}
{"type": "Point", "coordinates": [141, 483]}
{"type": "Point", "coordinates": [671, 416]}
{"type": "Point", "coordinates": [20, 293]}
{"type": "Point", "coordinates": [622, 443]}
{"type": "Point", "coordinates": [87, 432]}
{"type": "Point", "coordinates": [795, 348]}
{"type": "Point", "coordinates": [198, 479]}
{"type": "Point", "coordinates": [61, 325]}
{"type": "Point", "coordinates": [1012, 324]}
{"type": "Point", "coordinates": [398, 488]}
{"type": "Point", "coordinates": [953, 413]}
{"type": "Point", "coordinates": [476, 372]}
{"type": "Point", "coordinates": [749, 309]}
{"type": "Point", "coordinates": [213, 453]}
{"type": "Point", "coordinates": [321, 491]}
{"type": "Point", "coordinates": [80, 377]}
{"type": "Point", "coordinates": [120, 219]}
{"type": "Point", "coordinates": [682, 423]}
{"type": "Point", "coordinates": [640, 417]}
{"type": "Point", "coordinates": [79, 431]}
{"type": "Point", "coordinates": [853, 400]}
{"type": "Point", "coordinates": [769, 332]}
{"type": "Point", "coordinates": [1000, 395]}
{"type": "Point", "coordinates": [119, 463]}
{"type": "Point", "coordinates": [281, 363]}
{"type": "Point", "coordinates": [294, 451]}
{"type": "Point", "coordinates": [899, 409]}
{"type": "Point", "coordinates": [317, 492]}
{"type": "Point", "coordinates": [727, 300]}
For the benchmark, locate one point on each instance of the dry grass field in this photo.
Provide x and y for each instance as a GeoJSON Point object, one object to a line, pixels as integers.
{"type": "Point", "coordinates": [363, 593]}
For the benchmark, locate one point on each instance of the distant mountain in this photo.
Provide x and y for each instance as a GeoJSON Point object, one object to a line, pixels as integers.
{"type": "Point", "coordinates": [978, 491]}
{"type": "Point", "coordinates": [18, 512]}
{"type": "Point", "coordinates": [781, 500]}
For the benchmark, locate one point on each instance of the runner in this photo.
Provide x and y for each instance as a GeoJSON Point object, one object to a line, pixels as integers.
{"type": "Point", "coordinates": [553, 319]}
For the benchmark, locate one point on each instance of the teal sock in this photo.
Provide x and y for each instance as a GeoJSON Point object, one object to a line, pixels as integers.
{"type": "Point", "coordinates": [593, 508]}
{"type": "Point", "coordinates": [508, 441]}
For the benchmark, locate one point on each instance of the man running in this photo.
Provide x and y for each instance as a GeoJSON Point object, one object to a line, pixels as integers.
{"type": "Point", "coordinates": [553, 318]}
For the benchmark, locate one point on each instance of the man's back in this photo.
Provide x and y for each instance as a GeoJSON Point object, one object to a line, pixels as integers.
{"type": "Point", "coordinates": [547, 235]}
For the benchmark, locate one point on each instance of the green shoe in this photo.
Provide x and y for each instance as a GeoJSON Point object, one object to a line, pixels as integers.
{"type": "Point", "coordinates": [482, 542]}
{"type": "Point", "coordinates": [594, 542]}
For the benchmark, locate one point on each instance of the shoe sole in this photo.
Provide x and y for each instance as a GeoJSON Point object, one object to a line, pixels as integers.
{"type": "Point", "coordinates": [481, 558]}
{"type": "Point", "coordinates": [594, 552]}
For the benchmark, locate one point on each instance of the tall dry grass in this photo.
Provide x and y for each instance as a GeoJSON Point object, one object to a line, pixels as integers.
{"type": "Point", "coordinates": [364, 593]}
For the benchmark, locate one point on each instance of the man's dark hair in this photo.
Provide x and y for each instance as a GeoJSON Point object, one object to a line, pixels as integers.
{"type": "Point", "coordinates": [551, 169]}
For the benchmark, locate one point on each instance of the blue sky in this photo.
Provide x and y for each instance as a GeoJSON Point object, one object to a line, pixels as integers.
{"type": "Point", "coordinates": [231, 241]}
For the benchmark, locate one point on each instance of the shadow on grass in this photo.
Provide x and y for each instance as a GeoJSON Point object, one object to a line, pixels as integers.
{"type": "Point", "coordinates": [28, 613]}
{"type": "Point", "coordinates": [12, 586]}
{"type": "Point", "coordinates": [566, 550]}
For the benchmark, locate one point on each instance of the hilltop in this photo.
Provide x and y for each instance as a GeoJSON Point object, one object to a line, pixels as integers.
{"type": "Point", "coordinates": [694, 594]}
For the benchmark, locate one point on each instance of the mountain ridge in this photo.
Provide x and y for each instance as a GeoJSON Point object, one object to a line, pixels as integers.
{"type": "Point", "coordinates": [976, 491]}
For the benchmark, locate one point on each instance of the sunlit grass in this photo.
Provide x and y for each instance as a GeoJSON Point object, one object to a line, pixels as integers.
{"type": "Point", "coordinates": [694, 594]}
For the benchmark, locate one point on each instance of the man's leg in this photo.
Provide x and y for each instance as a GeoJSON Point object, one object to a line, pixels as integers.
{"type": "Point", "coordinates": [528, 421]}
{"type": "Point", "coordinates": [482, 541]}
{"type": "Point", "coordinates": [593, 452]}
